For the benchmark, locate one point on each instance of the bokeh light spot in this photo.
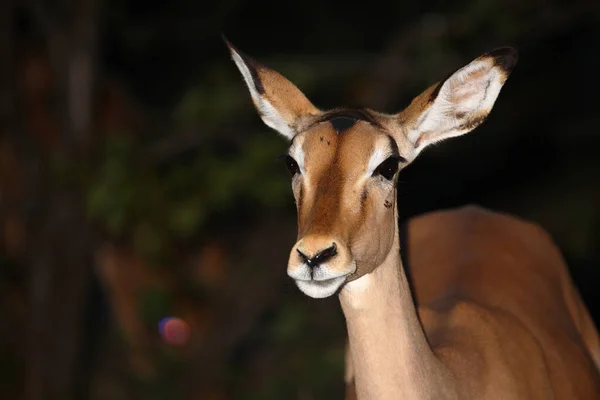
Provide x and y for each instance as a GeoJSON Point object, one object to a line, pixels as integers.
{"type": "Point", "coordinates": [174, 330]}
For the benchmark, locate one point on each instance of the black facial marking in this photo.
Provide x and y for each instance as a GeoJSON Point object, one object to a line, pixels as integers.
{"type": "Point", "coordinates": [299, 199]}
{"type": "Point", "coordinates": [363, 196]}
{"type": "Point", "coordinates": [387, 204]}
{"type": "Point", "coordinates": [355, 114]}
{"type": "Point", "coordinates": [363, 199]}
{"type": "Point", "coordinates": [321, 138]}
{"type": "Point", "coordinates": [328, 143]}
{"type": "Point", "coordinates": [342, 124]}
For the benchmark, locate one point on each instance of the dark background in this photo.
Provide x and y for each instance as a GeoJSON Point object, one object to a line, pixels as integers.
{"type": "Point", "coordinates": [137, 181]}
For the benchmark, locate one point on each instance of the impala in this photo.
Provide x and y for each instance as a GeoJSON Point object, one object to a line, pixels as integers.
{"type": "Point", "coordinates": [495, 314]}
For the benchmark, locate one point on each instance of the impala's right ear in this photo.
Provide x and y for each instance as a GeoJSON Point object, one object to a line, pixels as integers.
{"type": "Point", "coordinates": [281, 105]}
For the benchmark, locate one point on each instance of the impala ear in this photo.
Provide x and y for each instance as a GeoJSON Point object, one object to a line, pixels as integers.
{"type": "Point", "coordinates": [280, 104]}
{"type": "Point", "coordinates": [460, 103]}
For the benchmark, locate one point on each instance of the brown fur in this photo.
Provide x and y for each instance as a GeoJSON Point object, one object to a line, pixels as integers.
{"type": "Point", "coordinates": [497, 288]}
{"type": "Point", "coordinates": [319, 208]}
{"type": "Point", "coordinates": [496, 315]}
{"type": "Point", "coordinates": [293, 105]}
{"type": "Point", "coordinates": [498, 308]}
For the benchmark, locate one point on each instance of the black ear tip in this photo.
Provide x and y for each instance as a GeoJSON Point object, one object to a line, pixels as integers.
{"type": "Point", "coordinates": [228, 43]}
{"type": "Point", "coordinates": [505, 58]}
{"type": "Point", "coordinates": [234, 50]}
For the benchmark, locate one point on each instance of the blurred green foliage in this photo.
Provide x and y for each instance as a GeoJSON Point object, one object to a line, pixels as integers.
{"type": "Point", "coordinates": [157, 206]}
{"type": "Point", "coordinates": [305, 357]}
{"type": "Point", "coordinates": [154, 305]}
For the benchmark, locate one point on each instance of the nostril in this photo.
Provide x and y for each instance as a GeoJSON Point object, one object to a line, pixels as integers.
{"type": "Point", "coordinates": [328, 252]}
{"type": "Point", "coordinates": [325, 255]}
{"type": "Point", "coordinates": [303, 257]}
{"type": "Point", "coordinates": [320, 257]}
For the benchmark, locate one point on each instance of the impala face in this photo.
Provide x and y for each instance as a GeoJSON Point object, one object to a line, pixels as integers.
{"type": "Point", "coordinates": [344, 163]}
{"type": "Point", "coordinates": [344, 179]}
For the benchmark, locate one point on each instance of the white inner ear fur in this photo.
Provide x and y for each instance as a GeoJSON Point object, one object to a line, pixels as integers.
{"type": "Point", "coordinates": [468, 94]}
{"type": "Point", "coordinates": [271, 117]}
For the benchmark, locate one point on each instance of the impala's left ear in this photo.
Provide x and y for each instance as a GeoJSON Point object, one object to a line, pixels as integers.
{"type": "Point", "coordinates": [281, 105]}
{"type": "Point", "coordinates": [459, 104]}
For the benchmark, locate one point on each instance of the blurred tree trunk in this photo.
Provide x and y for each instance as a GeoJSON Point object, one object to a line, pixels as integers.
{"type": "Point", "coordinates": [6, 65]}
{"type": "Point", "coordinates": [59, 253]}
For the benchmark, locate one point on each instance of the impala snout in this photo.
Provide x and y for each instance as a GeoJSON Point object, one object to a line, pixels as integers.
{"type": "Point", "coordinates": [320, 265]}
{"type": "Point", "coordinates": [320, 258]}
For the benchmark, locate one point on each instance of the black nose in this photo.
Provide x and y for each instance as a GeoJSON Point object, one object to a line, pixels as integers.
{"type": "Point", "coordinates": [320, 257]}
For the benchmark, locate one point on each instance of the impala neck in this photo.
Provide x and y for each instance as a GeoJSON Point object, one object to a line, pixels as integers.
{"type": "Point", "coordinates": [390, 354]}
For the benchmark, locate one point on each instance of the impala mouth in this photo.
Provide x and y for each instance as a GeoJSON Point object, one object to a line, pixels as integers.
{"type": "Point", "coordinates": [320, 281]}
{"type": "Point", "coordinates": [319, 289]}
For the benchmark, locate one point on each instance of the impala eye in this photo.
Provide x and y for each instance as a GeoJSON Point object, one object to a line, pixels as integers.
{"type": "Point", "coordinates": [388, 168]}
{"type": "Point", "coordinates": [291, 165]}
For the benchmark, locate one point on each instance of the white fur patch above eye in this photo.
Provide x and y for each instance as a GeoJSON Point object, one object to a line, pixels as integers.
{"type": "Point", "coordinates": [270, 116]}
{"type": "Point", "coordinates": [297, 153]}
{"type": "Point", "coordinates": [376, 159]}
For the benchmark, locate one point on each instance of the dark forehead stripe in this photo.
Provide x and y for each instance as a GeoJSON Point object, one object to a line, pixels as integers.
{"type": "Point", "coordinates": [343, 119]}
{"type": "Point", "coordinates": [342, 124]}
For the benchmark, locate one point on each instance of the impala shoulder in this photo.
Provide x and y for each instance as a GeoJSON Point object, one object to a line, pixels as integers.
{"type": "Point", "coordinates": [481, 214]}
{"type": "Point", "coordinates": [467, 335]}
{"type": "Point", "coordinates": [474, 217]}
{"type": "Point", "coordinates": [529, 234]}
{"type": "Point", "coordinates": [449, 325]}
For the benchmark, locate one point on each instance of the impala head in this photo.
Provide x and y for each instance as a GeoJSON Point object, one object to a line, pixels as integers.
{"type": "Point", "coordinates": [344, 163]}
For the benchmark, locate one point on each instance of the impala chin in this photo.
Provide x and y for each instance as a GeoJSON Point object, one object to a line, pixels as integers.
{"type": "Point", "coordinates": [321, 289]}
{"type": "Point", "coordinates": [319, 282]}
